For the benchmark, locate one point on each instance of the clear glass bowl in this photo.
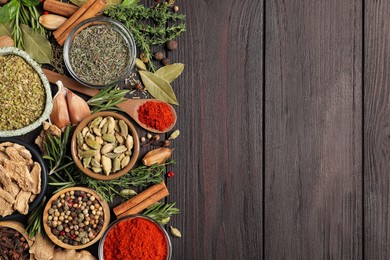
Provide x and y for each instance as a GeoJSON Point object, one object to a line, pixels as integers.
{"type": "Point", "coordinates": [116, 26]}
{"type": "Point", "coordinates": [113, 224]}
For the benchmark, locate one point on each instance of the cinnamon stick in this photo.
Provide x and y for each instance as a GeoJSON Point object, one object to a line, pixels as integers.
{"type": "Point", "coordinates": [60, 8]}
{"type": "Point", "coordinates": [125, 206]}
{"type": "Point", "coordinates": [91, 12]}
{"type": "Point", "coordinates": [73, 18]}
{"type": "Point", "coordinates": [69, 83]}
{"type": "Point", "coordinates": [146, 203]}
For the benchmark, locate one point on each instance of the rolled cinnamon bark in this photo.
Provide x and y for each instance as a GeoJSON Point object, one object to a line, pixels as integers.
{"type": "Point", "coordinates": [60, 8]}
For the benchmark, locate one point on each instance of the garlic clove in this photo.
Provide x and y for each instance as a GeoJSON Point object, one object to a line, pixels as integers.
{"type": "Point", "coordinates": [59, 115]}
{"type": "Point", "coordinates": [158, 156]}
{"type": "Point", "coordinates": [51, 21]}
{"type": "Point", "coordinates": [77, 107]}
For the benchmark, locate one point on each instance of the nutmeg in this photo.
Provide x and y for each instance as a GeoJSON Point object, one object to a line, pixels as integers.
{"type": "Point", "coordinates": [6, 41]}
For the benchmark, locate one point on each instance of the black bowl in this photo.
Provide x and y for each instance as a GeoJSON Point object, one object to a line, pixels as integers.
{"type": "Point", "coordinates": [36, 156]}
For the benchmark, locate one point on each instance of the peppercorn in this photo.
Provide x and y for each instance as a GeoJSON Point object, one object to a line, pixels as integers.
{"type": "Point", "coordinates": [171, 174]}
{"type": "Point", "coordinates": [176, 8]}
{"type": "Point", "coordinates": [143, 139]}
{"type": "Point", "coordinates": [149, 135]}
{"type": "Point", "coordinates": [144, 58]}
{"type": "Point", "coordinates": [167, 143]}
{"type": "Point", "coordinates": [158, 56]}
{"type": "Point", "coordinates": [172, 45]}
{"type": "Point", "coordinates": [165, 61]}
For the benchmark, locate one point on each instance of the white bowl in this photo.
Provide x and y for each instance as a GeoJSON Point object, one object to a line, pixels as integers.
{"type": "Point", "coordinates": [48, 105]}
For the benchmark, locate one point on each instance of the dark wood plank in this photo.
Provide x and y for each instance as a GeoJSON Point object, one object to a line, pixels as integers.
{"type": "Point", "coordinates": [313, 139]}
{"type": "Point", "coordinates": [219, 168]}
{"type": "Point", "coordinates": [377, 129]}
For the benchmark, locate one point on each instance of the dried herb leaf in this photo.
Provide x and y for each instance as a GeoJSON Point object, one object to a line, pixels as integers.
{"type": "Point", "coordinates": [5, 30]}
{"type": "Point", "coordinates": [170, 72]}
{"type": "Point", "coordinates": [36, 45]}
{"type": "Point", "coordinates": [158, 87]}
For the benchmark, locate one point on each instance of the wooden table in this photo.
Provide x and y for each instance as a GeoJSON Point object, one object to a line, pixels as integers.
{"type": "Point", "coordinates": [285, 121]}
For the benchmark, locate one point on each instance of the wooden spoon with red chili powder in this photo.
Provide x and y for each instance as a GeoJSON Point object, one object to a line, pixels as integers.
{"type": "Point", "coordinates": [151, 114]}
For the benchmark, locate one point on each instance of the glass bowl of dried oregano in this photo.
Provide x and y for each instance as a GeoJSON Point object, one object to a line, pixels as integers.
{"type": "Point", "coordinates": [99, 52]}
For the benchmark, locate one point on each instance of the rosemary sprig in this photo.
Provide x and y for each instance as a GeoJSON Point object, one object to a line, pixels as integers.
{"type": "Point", "coordinates": [150, 26]}
{"type": "Point", "coordinates": [34, 221]}
{"type": "Point", "coordinates": [140, 176]}
{"type": "Point", "coordinates": [161, 212]}
{"type": "Point", "coordinates": [107, 99]}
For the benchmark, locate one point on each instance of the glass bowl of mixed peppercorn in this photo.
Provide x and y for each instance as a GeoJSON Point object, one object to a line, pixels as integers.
{"type": "Point", "coordinates": [99, 52]}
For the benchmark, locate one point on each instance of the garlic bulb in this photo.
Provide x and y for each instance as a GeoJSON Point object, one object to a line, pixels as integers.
{"type": "Point", "coordinates": [77, 107]}
{"type": "Point", "coordinates": [59, 115]}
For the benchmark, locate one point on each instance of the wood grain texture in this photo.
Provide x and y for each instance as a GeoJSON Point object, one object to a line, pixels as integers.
{"type": "Point", "coordinates": [377, 129]}
{"type": "Point", "coordinates": [313, 136]}
{"type": "Point", "coordinates": [218, 180]}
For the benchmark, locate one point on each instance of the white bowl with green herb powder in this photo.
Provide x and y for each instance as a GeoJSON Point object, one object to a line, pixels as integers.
{"type": "Point", "coordinates": [25, 94]}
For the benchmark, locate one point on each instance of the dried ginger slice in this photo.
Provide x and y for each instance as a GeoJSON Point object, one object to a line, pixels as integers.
{"type": "Point", "coordinates": [5, 195]}
{"type": "Point", "coordinates": [5, 208]}
{"type": "Point", "coordinates": [43, 249]}
{"type": "Point", "coordinates": [36, 177]}
{"type": "Point", "coordinates": [14, 155]}
{"type": "Point", "coordinates": [21, 203]}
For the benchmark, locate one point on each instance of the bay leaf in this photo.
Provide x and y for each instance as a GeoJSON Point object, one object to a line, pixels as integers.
{"type": "Point", "coordinates": [5, 29]}
{"type": "Point", "coordinates": [158, 87]}
{"type": "Point", "coordinates": [36, 45]}
{"type": "Point", "coordinates": [170, 72]}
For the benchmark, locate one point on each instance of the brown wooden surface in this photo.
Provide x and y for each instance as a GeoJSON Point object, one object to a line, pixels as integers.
{"type": "Point", "coordinates": [284, 114]}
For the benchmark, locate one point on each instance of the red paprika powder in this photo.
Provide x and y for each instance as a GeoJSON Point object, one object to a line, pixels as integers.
{"type": "Point", "coordinates": [135, 239]}
{"type": "Point", "coordinates": [156, 115]}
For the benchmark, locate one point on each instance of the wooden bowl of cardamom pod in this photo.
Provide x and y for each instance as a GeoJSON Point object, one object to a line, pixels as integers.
{"type": "Point", "coordinates": [105, 145]}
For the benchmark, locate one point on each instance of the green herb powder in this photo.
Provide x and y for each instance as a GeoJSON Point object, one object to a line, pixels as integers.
{"type": "Point", "coordinates": [98, 55]}
{"type": "Point", "coordinates": [22, 95]}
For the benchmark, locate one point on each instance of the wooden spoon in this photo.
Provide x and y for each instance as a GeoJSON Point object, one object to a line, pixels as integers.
{"type": "Point", "coordinates": [129, 106]}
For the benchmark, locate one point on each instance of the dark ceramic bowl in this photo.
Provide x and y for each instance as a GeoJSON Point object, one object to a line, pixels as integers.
{"type": "Point", "coordinates": [36, 156]}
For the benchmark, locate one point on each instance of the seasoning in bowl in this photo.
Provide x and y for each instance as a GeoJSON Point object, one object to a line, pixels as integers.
{"type": "Point", "coordinates": [157, 115]}
{"type": "Point", "coordinates": [141, 238]}
{"type": "Point", "coordinates": [22, 94]}
{"type": "Point", "coordinates": [20, 179]}
{"type": "Point", "coordinates": [105, 145]}
{"type": "Point", "coordinates": [13, 244]}
{"type": "Point", "coordinates": [99, 55]}
{"type": "Point", "coordinates": [75, 217]}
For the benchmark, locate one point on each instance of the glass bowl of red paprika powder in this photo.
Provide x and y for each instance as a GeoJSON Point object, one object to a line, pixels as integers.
{"type": "Point", "coordinates": [135, 237]}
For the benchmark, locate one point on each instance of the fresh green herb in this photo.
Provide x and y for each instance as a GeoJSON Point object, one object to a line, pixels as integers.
{"type": "Point", "coordinates": [107, 99]}
{"type": "Point", "coordinates": [22, 18]}
{"type": "Point", "coordinates": [161, 212]}
{"type": "Point", "coordinates": [34, 221]}
{"type": "Point", "coordinates": [99, 55]}
{"type": "Point", "coordinates": [64, 173]}
{"type": "Point", "coordinates": [149, 26]}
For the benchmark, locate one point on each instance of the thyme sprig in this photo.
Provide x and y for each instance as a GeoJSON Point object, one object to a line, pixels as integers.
{"type": "Point", "coordinates": [161, 212]}
{"type": "Point", "coordinates": [150, 26]}
{"type": "Point", "coordinates": [107, 99]}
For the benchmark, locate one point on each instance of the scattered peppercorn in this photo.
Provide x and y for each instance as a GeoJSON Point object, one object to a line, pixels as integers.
{"type": "Point", "coordinates": [172, 45]}
{"type": "Point", "coordinates": [158, 56]}
{"type": "Point", "coordinates": [167, 143]}
{"type": "Point", "coordinates": [45, 12]}
{"type": "Point", "coordinates": [176, 8]}
{"type": "Point", "coordinates": [143, 139]}
{"type": "Point", "coordinates": [156, 137]}
{"type": "Point", "coordinates": [149, 135]}
{"type": "Point", "coordinates": [165, 61]}
{"type": "Point", "coordinates": [143, 57]}
{"type": "Point", "coordinates": [171, 174]}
